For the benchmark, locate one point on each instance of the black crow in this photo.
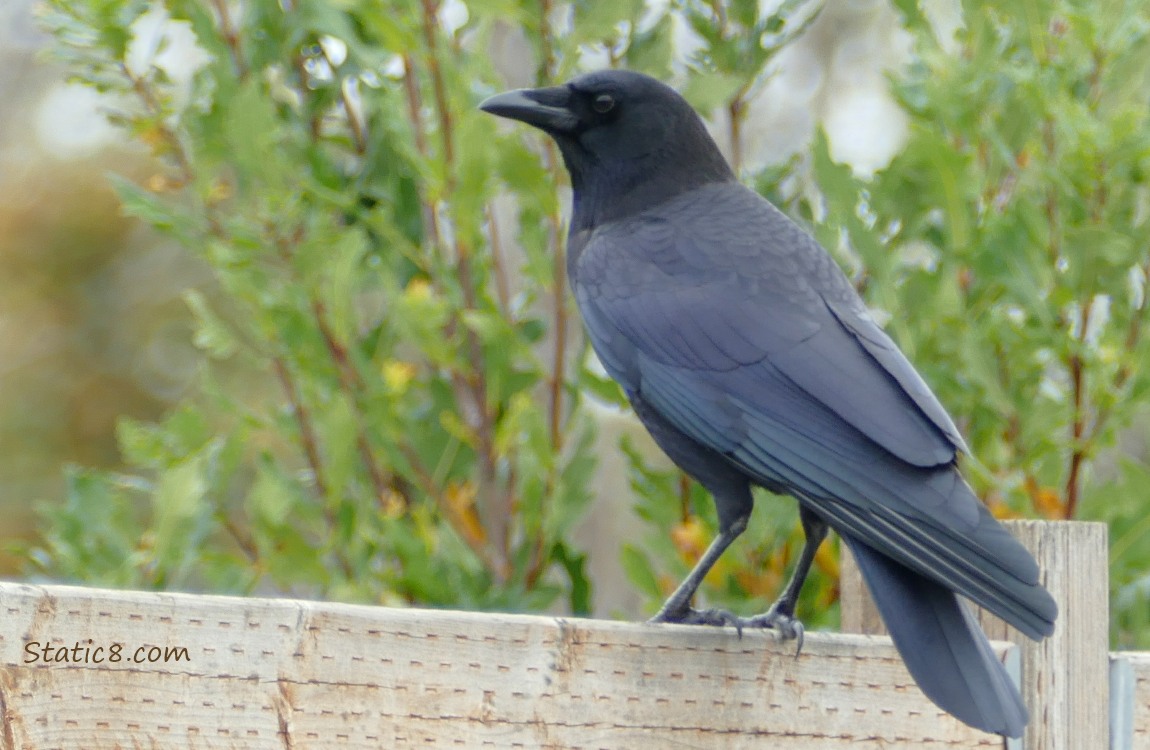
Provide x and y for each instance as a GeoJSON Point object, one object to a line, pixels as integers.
{"type": "Point", "coordinates": [751, 360]}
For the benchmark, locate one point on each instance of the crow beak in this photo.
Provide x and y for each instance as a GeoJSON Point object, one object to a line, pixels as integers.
{"type": "Point", "coordinates": [545, 108]}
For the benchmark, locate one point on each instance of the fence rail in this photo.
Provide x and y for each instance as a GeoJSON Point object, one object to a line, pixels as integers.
{"type": "Point", "coordinates": [221, 672]}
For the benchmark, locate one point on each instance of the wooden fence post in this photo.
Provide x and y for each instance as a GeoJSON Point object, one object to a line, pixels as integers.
{"type": "Point", "coordinates": [1065, 678]}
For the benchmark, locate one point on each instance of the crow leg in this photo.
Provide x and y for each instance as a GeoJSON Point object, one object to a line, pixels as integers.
{"type": "Point", "coordinates": [731, 491]}
{"type": "Point", "coordinates": [815, 530]}
{"type": "Point", "coordinates": [677, 608]}
{"type": "Point", "coordinates": [781, 616]}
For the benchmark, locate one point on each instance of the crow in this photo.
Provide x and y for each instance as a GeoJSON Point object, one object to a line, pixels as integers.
{"type": "Point", "coordinates": [752, 361]}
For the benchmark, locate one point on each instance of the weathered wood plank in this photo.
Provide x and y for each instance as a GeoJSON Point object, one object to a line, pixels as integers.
{"type": "Point", "coordinates": [1140, 664]}
{"type": "Point", "coordinates": [264, 673]}
{"type": "Point", "coordinates": [1066, 677]}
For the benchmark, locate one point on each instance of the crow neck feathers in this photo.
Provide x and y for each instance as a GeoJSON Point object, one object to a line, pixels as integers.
{"type": "Point", "coordinates": [609, 184]}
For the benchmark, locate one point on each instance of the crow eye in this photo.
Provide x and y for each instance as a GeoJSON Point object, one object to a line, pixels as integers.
{"type": "Point", "coordinates": [603, 103]}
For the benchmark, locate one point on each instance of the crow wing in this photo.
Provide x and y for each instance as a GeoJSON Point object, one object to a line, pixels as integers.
{"type": "Point", "coordinates": [741, 330]}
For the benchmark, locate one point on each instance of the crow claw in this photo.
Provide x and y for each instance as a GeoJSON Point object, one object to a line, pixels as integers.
{"type": "Point", "coordinates": [690, 616]}
{"type": "Point", "coordinates": [787, 626]}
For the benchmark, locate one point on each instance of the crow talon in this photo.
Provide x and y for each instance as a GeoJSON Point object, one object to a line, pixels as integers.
{"type": "Point", "coordinates": [787, 626]}
{"type": "Point", "coordinates": [690, 616]}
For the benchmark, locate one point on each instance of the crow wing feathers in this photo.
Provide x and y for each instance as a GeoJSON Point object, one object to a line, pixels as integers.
{"type": "Point", "coordinates": [742, 331]}
{"type": "Point", "coordinates": [686, 282]}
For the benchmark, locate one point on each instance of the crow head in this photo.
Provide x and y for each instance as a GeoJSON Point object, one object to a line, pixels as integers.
{"type": "Point", "coordinates": [626, 139]}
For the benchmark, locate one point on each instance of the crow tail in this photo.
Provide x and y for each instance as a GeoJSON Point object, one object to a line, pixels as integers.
{"type": "Point", "coordinates": [942, 645]}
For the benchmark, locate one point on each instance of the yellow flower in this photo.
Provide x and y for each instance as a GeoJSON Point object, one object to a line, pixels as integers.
{"type": "Point", "coordinates": [397, 375]}
{"type": "Point", "coordinates": [393, 505]}
{"type": "Point", "coordinates": [418, 290]}
{"type": "Point", "coordinates": [459, 499]}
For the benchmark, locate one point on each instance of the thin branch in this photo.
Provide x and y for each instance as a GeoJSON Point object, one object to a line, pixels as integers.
{"type": "Point", "coordinates": [1081, 444]}
{"type": "Point", "coordinates": [1070, 493]}
{"type": "Point", "coordinates": [439, 90]}
{"type": "Point", "coordinates": [559, 311]}
{"type": "Point", "coordinates": [315, 131]}
{"type": "Point", "coordinates": [431, 488]}
{"type": "Point", "coordinates": [414, 105]}
{"type": "Point", "coordinates": [354, 123]}
{"type": "Point", "coordinates": [720, 11]}
{"type": "Point", "coordinates": [156, 110]}
{"type": "Point", "coordinates": [476, 377]}
{"type": "Point", "coordinates": [1122, 375]}
{"type": "Point", "coordinates": [1053, 223]}
{"type": "Point", "coordinates": [555, 241]}
{"type": "Point", "coordinates": [352, 385]}
{"type": "Point", "coordinates": [354, 120]}
{"type": "Point", "coordinates": [415, 117]}
{"type": "Point", "coordinates": [242, 539]}
{"type": "Point", "coordinates": [348, 377]}
{"type": "Point", "coordinates": [546, 45]}
{"type": "Point", "coordinates": [430, 214]}
{"type": "Point", "coordinates": [303, 420]}
{"type": "Point", "coordinates": [1078, 418]}
{"type": "Point", "coordinates": [736, 113]}
{"type": "Point", "coordinates": [498, 263]}
{"type": "Point", "coordinates": [1074, 362]}
{"type": "Point", "coordinates": [1012, 434]}
{"type": "Point", "coordinates": [231, 37]}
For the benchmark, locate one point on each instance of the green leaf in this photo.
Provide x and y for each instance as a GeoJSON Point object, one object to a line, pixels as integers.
{"type": "Point", "coordinates": [912, 14]}
{"type": "Point", "coordinates": [272, 496]}
{"type": "Point", "coordinates": [179, 505]}
{"type": "Point", "coordinates": [213, 335]}
{"type": "Point", "coordinates": [579, 598]}
{"type": "Point", "coordinates": [639, 572]}
{"type": "Point", "coordinates": [595, 21]}
{"type": "Point", "coordinates": [254, 137]}
{"type": "Point", "coordinates": [149, 207]}
{"type": "Point", "coordinates": [141, 444]}
{"type": "Point", "coordinates": [651, 51]}
{"type": "Point", "coordinates": [338, 434]}
{"type": "Point", "coordinates": [709, 91]}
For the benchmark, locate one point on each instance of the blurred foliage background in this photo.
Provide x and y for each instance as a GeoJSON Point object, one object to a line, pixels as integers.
{"type": "Point", "coordinates": [363, 377]}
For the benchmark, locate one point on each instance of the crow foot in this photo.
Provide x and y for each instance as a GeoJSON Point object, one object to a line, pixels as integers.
{"type": "Point", "coordinates": [689, 616]}
{"type": "Point", "coordinates": [785, 624]}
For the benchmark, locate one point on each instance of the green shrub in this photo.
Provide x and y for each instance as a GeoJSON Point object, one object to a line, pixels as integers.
{"type": "Point", "coordinates": [406, 422]}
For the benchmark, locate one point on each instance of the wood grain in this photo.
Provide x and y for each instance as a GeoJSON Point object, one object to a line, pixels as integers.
{"type": "Point", "coordinates": [268, 673]}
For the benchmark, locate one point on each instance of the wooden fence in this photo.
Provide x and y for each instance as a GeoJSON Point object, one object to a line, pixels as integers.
{"type": "Point", "coordinates": [90, 668]}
